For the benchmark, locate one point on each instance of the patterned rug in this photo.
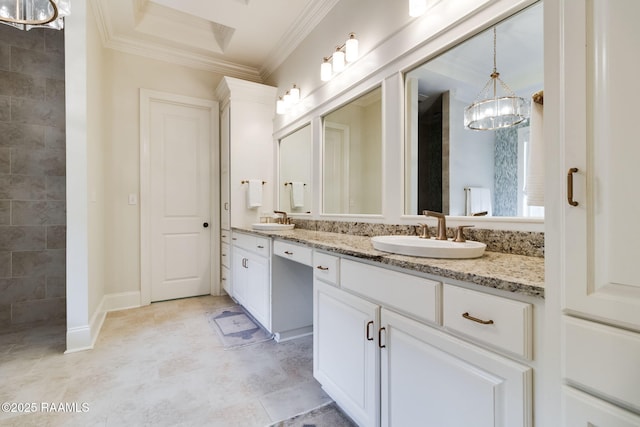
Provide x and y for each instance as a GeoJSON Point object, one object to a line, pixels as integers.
{"type": "Point", "coordinates": [328, 415]}
{"type": "Point", "coordinates": [236, 328]}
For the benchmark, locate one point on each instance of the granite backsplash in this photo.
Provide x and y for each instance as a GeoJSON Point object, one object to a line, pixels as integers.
{"type": "Point", "coordinates": [526, 243]}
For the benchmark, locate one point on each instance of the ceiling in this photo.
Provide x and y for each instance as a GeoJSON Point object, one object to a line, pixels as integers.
{"type": "Point", "coordinates": [247, 39]}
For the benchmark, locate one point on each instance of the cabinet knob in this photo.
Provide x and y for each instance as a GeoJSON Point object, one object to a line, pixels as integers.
{"type": "Point", "coordinates": [205, 225]}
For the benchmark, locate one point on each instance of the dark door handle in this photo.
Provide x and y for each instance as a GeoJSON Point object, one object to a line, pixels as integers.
{"type": "Point", "coordinates": [205, 225]}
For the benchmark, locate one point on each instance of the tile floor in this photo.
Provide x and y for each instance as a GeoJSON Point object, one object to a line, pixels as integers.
{"type": "Point", "coordinates": [160, 365]}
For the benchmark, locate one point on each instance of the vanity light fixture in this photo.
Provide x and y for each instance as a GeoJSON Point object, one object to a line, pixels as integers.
{"type": "Point", "coordinates": [490, 111]}
{"type": "Point", "coordinates": [348, 52]}
{"type": "Point", "coordinates": [28, 14]}
{"type": "Point", "coordinates": [288, 100]}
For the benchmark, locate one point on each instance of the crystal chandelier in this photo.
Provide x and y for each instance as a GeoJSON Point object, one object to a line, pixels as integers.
{"type": "Point", "coordinates": [28, 14]}
{"type": "Point", "coordinates": [491, 111]}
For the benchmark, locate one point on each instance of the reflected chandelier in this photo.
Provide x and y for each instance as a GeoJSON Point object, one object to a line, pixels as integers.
{"type": "Point", "coordinates": [28, 14]}
{"type": "Point", "coordinates": [490, 111]}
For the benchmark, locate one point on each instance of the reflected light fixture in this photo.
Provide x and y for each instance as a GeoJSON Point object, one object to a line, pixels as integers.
{"type": "Point", "coordinates": [490, 111]}
{"type": "Point", "coordinates": [417, 7]}
{"type": "Point", "coordinates": [28, 14]}
{"type": "Point", "coordinates": [346, 53]}
{"type": "Point", "coordinates": [290, 99]}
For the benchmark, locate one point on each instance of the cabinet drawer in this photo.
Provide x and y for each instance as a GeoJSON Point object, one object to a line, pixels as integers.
{"type": "Point", "coordinates": [603, 358]}
{"type": "Point", "coordinates": [507, 323]}
{"type": "Point", "coordinates": [253, 243]}
{"type": "Point", "coordinates": [414, 295]}
{"type": "Point", "coordinates": [225, 255]}
{"type": "Point", "coordinates": [326, 267]}
{"type": "Point", "coordinates": [225, 236]}
{"type": "Point", "coordinates": [297, 253]}
{"type": "Point", "coordinates": [225, 277]}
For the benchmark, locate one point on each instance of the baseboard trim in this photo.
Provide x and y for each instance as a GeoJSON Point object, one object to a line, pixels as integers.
{"type": "Point", "coordinates": [83, 338]}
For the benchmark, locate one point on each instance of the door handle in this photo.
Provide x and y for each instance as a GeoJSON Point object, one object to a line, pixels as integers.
{"type": "Point", "coordinates": [570, 187]}
{"type": "Point", "coordinates": [205, 225]}
{"type": "Point", "coordinates": [226, 206]}
{"type": "Point", "coordinates": [380, 338]}
{"type": "Point", "coordinates": [368, 329]}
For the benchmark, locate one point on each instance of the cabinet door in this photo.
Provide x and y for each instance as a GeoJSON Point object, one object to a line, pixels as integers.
{"type": "Point", "coordinates": [224, 168]}
{"type": "Point", "coordinates": [599, 124]}
{"type": "Point", "coordinates": [582, 410]}
{"type": "Point", "coordinates": [258, 289]}
{"type": "Point", "coordinates": [239, 273]}
{"type": "Point", "coordinates": [345, 351]}
{"type": "Point", "coordinates": [433, 379]}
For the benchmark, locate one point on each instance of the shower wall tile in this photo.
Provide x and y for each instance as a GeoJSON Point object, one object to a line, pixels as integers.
{"type": "Point", "coordinates": [37, 213]}
{"type": "Point", "coordinates": [27, 238]}
{"type": "Point", "coordinates": [22, 187]}
{"type": "Point", "coordinates": [56, 237]}
{"type": "Point", "coordinates": [32, 185]}
{"type": "Point", "coordinates": [38, 310]}
{"type": "Point", "coordinates": [46, 113]}
{"type": "Point", "coordinates": [56, 188]}
{"type": "Point", "coordinates": [33, 40]}
{"type": "Point", "coordinates": [5, 161]}
{"type": "Point", "coordinates": [38, 162]}
{"type": "Point", "coordinates": [5, 212]}
{"type": "Point", "coordinates": [22, 289]}
{"type": "Point", "coordinates": [43, 64]}
{"type": "Point", "coordinates": [5, 264]}
{"type": "Point", "coordinates": [38, 263]}
{"type": "Point", "coordinates": [20, 135]}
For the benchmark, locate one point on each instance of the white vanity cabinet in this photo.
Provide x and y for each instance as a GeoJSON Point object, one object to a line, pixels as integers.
{"type": "Point", "coordinates": [381, 352]}
{"type": "Point", "coordinates": [598, 217]}
{"type": "Point", "coordinates": [251, 275]}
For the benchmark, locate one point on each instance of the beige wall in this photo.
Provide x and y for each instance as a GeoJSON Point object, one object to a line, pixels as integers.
{"type": "Point", "coordinates": [124, 75]}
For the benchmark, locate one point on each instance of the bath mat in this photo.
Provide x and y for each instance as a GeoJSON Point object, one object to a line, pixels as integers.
{"type": "Point", "coordinates": [328, 415]}
{"type": "Point", "coordinates": [236, 328]}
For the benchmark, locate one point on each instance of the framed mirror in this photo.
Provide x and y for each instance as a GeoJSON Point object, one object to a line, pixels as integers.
{"type": "Point", "coordinates": [450, 168]}
{"type": "Point", "coordinates": [352, 157]}
{"type": "Point", "coordinates": [294, 175]}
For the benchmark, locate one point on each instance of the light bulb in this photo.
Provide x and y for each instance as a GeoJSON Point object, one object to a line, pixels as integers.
{"type": "Point", "coordinates": [295, 94]}
{"type": "Point", "coordinates": [338, 61]}
{"type": "Point", "coordinates": [280, 107]}
{"type": "Point", "coordinates": [351, 48]}
{"type": "Point", "coordinates": [325, 70]}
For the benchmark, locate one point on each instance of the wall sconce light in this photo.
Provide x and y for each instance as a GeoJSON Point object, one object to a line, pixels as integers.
{"type": "Point", "coordinates": [290, 98]}
{"type": "Point", "coordinates": [335, 63]}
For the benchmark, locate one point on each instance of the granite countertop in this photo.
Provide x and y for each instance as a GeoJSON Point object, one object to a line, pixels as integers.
{"type": "Point", "coordinates": [513, 273]}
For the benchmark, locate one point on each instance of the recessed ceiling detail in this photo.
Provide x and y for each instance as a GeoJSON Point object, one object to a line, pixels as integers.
{"type": "Point", "coordinates": [238, 38]}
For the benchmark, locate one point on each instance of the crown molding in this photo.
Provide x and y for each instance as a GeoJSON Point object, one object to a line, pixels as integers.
{"type": "Point", "coordinates": [306, 22]}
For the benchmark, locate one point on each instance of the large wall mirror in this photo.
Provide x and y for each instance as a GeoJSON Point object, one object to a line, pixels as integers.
{"type": "Point", "coordinates": [450, 168]}
{"type": "Point", "coordinates": [352, 157]}
{"type": "Point", "coordinates": [294, 175]}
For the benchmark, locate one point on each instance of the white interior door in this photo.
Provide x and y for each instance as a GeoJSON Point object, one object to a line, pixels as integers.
{"type": "Point", "coordinates": [179, 150]}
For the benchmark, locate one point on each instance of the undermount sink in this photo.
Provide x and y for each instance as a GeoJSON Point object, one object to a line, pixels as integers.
{"type": "Point", "coordinates": [429, 248]}
{"type": "Point", "coordinates": [272, 226]}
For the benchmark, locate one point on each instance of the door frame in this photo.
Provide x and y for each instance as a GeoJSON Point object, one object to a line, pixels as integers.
{"type": "Point", "coordinates": [147, 97]}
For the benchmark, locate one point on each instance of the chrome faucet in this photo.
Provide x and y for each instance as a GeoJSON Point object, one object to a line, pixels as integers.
{"type": "Point", "coordinates": [284, 219]}
{"type": "Point", "coordinates": [442, 224]}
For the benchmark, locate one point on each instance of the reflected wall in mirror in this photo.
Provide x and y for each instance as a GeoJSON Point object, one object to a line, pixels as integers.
{"type": "Point", "coordinates": [352, 157]}
{"type": "Point", "coordinates": [455, 170]}
{"type": "Point", "coordinates": [294, 179]}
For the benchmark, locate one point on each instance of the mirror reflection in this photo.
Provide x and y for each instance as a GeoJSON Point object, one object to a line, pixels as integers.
{"type": "Point", "coordinates": [295, 171]}
{"type": "Point", "coordinates": [352, 157]}
{"type": "Point", "coordinates": [458, 171]}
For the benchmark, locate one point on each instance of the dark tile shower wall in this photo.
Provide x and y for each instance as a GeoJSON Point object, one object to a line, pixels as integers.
{"type": "Point", "coordinates": [32, 176]}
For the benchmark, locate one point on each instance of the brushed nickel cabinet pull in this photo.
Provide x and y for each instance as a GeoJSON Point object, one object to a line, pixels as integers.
{"type": "Point", "coordinates": [288, 253]}
{"type": "Point", "coordinates": [475, 319]}
{"type": "Point", "coordinates": [323, 268]}
{"type": "Point", "coordinates": [367, 329]}
{"type": "Point", "coordinates": [570, 187]}
{"type": "Point", "coordinates": [380, 338]}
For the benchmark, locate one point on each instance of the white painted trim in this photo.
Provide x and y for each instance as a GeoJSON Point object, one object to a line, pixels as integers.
{"type": "Point", "coordinates": [121, 301]}
{"type": "Point", "coordinates": [146, 97]}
